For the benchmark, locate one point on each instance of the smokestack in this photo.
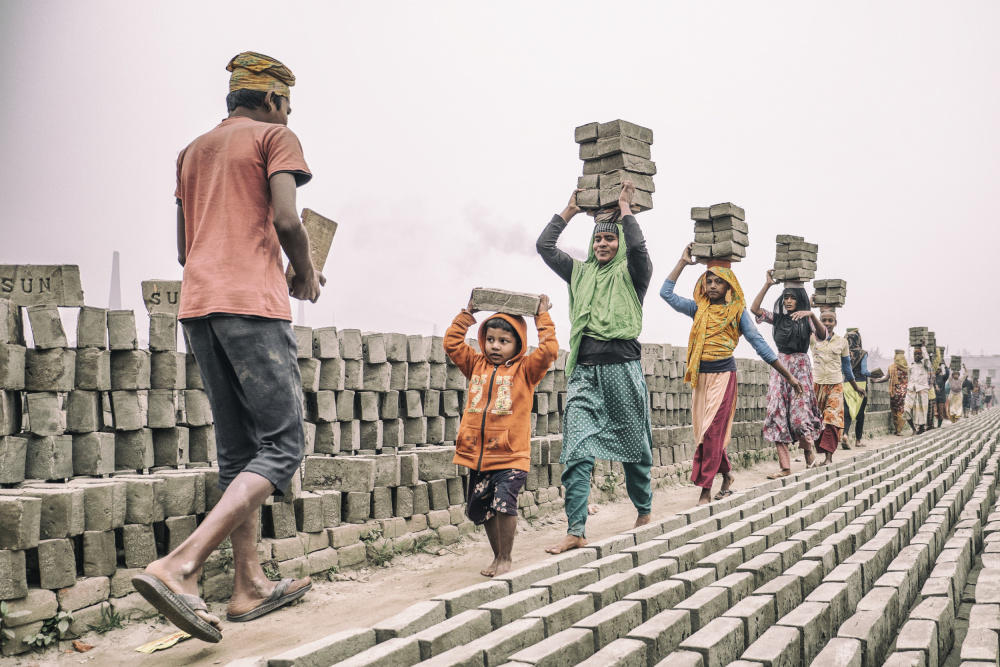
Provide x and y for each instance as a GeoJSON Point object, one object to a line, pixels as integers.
{"type": "Point", "coordinates": [115, 298]}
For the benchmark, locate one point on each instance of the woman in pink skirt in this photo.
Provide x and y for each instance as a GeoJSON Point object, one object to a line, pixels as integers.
{"type": "Point", "coordinates": [791, 417]}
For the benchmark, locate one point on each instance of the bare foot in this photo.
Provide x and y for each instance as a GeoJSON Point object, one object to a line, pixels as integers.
{"type": "Point", "coordinates": [810, 457]}
{"type": "Point", "coordinates": [502, 567]}
{"type": "Point", "coordinates": [727, 482]}
{"type": "Point", "coordinates": [567, 543]}
{"type": "Point", "coordinates": [593, 509]}
{"type": "Point", "coordinates": [179, 584]}
{"type": "Point", "coordinates": [490, 569]}
{"type": "Point", "coordinates": [642, 520]}
{"type": "Point", "coordinates": [243, 601]}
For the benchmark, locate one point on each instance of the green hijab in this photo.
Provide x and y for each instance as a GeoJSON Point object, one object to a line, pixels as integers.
{"type": "Point", "coordinates": [602, 301]}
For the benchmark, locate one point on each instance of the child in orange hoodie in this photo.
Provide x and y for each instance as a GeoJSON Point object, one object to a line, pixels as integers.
{"type": "Point", "coordinates": [494, 437]}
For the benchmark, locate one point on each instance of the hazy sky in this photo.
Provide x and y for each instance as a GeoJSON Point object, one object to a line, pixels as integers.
{"type": "Point", "coordinates": [441, 139]}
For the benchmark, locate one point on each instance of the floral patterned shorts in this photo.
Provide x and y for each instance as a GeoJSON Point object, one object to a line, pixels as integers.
{"type": "Point", "coordinates": [493, 492]}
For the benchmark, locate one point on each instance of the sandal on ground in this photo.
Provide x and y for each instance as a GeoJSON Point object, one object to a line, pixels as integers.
{"type": "Point", "coordinates": [277, 598]}
{"type": "Point", "coordinates": [178, 608]}
{"type": "Point", "coordinates": [723, 494]}
{"type": "Point", "coordinates": [779, 475]}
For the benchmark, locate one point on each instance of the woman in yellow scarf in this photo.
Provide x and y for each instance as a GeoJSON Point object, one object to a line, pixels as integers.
{"type": "Point", "coordinates": [720, 316]}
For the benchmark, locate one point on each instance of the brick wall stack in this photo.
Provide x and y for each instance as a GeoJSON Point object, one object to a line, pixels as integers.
{"type": "Point", "coordinates": [107, 454]}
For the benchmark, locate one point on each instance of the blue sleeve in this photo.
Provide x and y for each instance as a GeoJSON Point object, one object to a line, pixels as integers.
{"type": "Point", "coordinates": [678, 303]}
{"type": "Point", "coordinates": [864, 367]}
{"type": "Point", "coordinates": [845, 365]}
{"type": "Point", "coordinates": [760, 346]}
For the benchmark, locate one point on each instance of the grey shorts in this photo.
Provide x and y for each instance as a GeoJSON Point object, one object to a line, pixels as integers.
{"type": "Point", "coordinates": [251, 374]}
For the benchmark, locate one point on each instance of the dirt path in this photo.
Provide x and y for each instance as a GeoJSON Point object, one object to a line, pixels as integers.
{"type": "Point", "coordinates": [370, 595]}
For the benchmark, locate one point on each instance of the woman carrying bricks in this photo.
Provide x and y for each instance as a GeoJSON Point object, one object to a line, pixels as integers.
{"type": "Point", "coordinates": [719, 310]}
{"type": "Point", "coordinates": [955, 384]}
{"type": "Point", "coordinates": [898, 376]}
{"type": "Point", "coordinates": [607, 403]}
{"type": "Point", "coordinates": [856, 403]}
{"type": "Point", "coordinates": [791, 416]}
{"type": "Point", "coordinates": [832, 359]}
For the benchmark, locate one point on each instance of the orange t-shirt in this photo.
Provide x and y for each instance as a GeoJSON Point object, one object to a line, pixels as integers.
{"type": "Point", "coordinates": [233, 254]}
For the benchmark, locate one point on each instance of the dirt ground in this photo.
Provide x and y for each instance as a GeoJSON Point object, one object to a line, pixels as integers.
{"type": "Point", "coordinates": [367, 596]}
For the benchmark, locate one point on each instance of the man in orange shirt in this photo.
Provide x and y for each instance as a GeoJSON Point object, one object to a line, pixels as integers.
{"type": "Point", "coordinates": [236, 212]}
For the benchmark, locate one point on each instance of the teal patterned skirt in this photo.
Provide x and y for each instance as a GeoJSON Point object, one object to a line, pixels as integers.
{"type": "Point", "coordinates": [607, 414]}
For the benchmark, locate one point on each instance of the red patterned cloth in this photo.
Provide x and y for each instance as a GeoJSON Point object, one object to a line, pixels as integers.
{"type": "Point", "coordinates": [790, 417]}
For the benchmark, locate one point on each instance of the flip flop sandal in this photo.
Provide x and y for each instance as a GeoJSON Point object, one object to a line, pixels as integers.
{"type": "Point", "coordinates": [779, 475]}
{"type": "Point", "coordinates": [723, 494]}
{"type": "Point", "coordinates": [277, 598]}
{"type": "Point", "coordinates": [178, 608]}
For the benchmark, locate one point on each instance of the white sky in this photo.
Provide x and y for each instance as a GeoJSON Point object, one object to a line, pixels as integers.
{"type": "Point", "coordinates": [441, 139]}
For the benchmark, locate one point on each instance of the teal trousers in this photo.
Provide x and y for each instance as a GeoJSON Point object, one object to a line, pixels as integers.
{"type": "Point", "coordinates": [576, 478]}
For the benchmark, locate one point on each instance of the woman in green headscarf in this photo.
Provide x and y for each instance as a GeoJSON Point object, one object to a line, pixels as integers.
{"type": "Point", "coordinates": [607, 403]}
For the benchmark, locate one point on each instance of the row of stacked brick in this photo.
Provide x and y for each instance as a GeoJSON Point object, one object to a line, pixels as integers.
{"type": "Point", "coordinates": [822, 568]}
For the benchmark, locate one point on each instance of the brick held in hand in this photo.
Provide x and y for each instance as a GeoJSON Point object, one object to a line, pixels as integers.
{"type": "Point", "coordinates": [700, 214]}
{"type": "Point", "coordinates": [503, 301]}
{"type": "Point", "coordinates": [585, 133]}
{"type": "Point", "coordinates": [727, 209]}
{"type": "Point", "coordinates": [589, 182]}
{"type": "Point", "coordinates": [785, 239]}
{"type": "Point", "coordinates": [725, 223]}
{"type": "Point", "coordinates": [704, 237]}
{"type": "Point", "coordinates": [703, 227]}
{"type": "Point", "coordinates": [612, 146]}
{"type": "Point", "coordinates": [733, 235]}
{"type": "Point", "coordinates": [619, 161]}
{"type": "Point", "coordinates": [728, 249]}
{"type": "Point", "coordinates": [701, 250]}
{"type": "Point", "coordinates": [609, 197]}
{"type": "Point", "coordinates": [623, 127]}
{"type": "Point", "coordinates": [801, 254]}
{"type": "Point", "coordinates": [616, 178]}
{"type": "Point", "coordinates": [801, 264]}
{"type": "Point", "coordinates": [589, 199]}
{"type": "Point", "coordinates": [803, 246]}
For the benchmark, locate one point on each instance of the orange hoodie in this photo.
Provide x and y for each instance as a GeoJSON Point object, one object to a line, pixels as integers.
{"type": "Point", "coordinates": [500, 398]}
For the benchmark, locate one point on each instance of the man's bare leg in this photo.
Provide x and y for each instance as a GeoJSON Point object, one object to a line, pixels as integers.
{"type": "Point", "coordinates": [567, 543]}
{"type": "Point", "coordinates": [493, 533]}
{"type": "Point", "coordinates": [704, 499]}
{"type": "Point", "coordinates": [179, 569]}
{"type": "Point", "coordinates": [251, 585]}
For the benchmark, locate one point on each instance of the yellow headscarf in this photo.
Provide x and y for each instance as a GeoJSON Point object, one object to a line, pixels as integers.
{"type": "Point", "coordinates": [716, 329]}
{"type": "Point", "coordinates": [900, 361]}
{"type": "Point", "coordinates": [255, 71]}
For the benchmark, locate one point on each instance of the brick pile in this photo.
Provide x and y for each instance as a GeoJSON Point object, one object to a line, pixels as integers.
{"type": "Point", "coordinates": [830, 293]}
{"type": "Point", "coordinates": [794, 259]}
{"type": "Point", "coordinates": [887, 557]}
{"type": "Point", "coordinates": [613, 153]}
{"type": "Point", "coordinates": [720, 232]}
{"type": "Point", "coordinates": [108, 461]}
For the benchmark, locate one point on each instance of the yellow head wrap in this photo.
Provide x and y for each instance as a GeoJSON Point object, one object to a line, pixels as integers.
{"type": "Point", "coordinates": [255, 71]}
{"type": "Point", "coordinates": [716, 329]}
{"type": "Point", "coordinates": [900, 360]}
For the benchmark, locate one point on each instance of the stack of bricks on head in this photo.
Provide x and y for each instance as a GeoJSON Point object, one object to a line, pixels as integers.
{"type": "Point", "coordinates": [794, 259]}
{"type": "Point", "coordinates": [108, 453]}
{"type": "Point", "coordinates": [613, 153]}
{"type": "Point", "coordinates": [923, 336]}
{"type": "Point", "coordinates": [830, 294]}
{"type": "Point", "coordinates": [720, 232]}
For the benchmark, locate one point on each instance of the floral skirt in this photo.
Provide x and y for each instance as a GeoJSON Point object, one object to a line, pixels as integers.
{"type": "Point", "coordinates": [790, 417]}
{"type": "Point", "coordinates": [493, 492]}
